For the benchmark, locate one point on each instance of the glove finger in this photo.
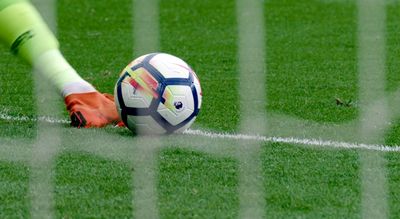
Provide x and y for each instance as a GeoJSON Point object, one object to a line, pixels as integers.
{"type": "Point", "coordinates": [109, 96]}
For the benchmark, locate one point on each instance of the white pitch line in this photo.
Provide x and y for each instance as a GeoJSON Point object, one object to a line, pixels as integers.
{"type": "Point", "coordinates": [244, 137]}
{"type": "Point", "coordinates": [47, 119]}
{"type": "Point", "coordinates": [301, 141]}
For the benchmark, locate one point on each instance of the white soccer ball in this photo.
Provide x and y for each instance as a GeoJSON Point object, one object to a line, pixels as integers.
{"type": "Point", "coordinates": [158, 93]}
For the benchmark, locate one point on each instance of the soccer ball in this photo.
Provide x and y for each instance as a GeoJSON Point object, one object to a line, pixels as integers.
{"type": "Point", "coordinates": [158, 93]}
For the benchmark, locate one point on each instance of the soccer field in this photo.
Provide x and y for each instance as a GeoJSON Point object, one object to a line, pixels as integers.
{"type": "Point", "coordinates": [300, 113]}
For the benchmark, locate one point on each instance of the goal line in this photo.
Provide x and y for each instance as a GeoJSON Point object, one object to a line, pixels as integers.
{"type": "Point", "coordinates": [316, 143]}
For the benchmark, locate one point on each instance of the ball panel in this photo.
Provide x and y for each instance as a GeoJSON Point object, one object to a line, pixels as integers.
{"type": "Point", "coordinates": [170, 66]}
{"type": "Point", "coordinates": [144, 125]}
{"type": "Point", "coordinates": [178, 104]}
{"type": "Point", "coordinates": [135, 98]}
{"type": "Point", "coordinates": [131, 65]}
{"type": "Point", "coordinates": [143, 81]}
{"type": "Point", "coordinates": [173, 116]}
{"type": "Point", "coordinates": [178, 97]}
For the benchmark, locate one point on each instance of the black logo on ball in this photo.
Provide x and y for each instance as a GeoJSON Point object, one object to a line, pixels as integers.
{"type": "Point", "coordinates": [178, 105]}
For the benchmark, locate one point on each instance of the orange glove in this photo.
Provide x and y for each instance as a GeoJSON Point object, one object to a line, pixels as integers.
{"type": "Point", "coordinates": [91, 109]}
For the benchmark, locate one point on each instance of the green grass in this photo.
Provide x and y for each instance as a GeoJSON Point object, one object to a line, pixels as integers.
{"type": "Point", "coordinates": [84, 190]}
{"type": "Point", "coordinates": [190, 180]}
{"type": "Point", "coordinates": [311, 59]}
{"type": "Point", "coordinates": [393, 163]}
{"type": "Point", "coordinates": [312, 183]}
{"type": "Point", "coordinates": [100, 43]}
{"type": "Point", "coordinates": [14, 182]}
{"type": "Point", "coordinates": [393, 48]}
{"type": "Point", "coordinates": [16, 98]}
{"type": "Point", "coordinates": [311, 49]}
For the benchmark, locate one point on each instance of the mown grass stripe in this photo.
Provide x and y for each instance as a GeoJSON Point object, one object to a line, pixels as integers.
{"type": "Point", "coordinates": [373, 118]}
{"type": "Point", "coordinates": [145, 164]}
{"type": "Point", "coordinates": [146, 40]}
{"type": "Point", "coordinates": [145, 26]}
{"type": "Point", "coordinates": [252, 74]}
{"type": "Point", "coordinates": [44, 149]}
